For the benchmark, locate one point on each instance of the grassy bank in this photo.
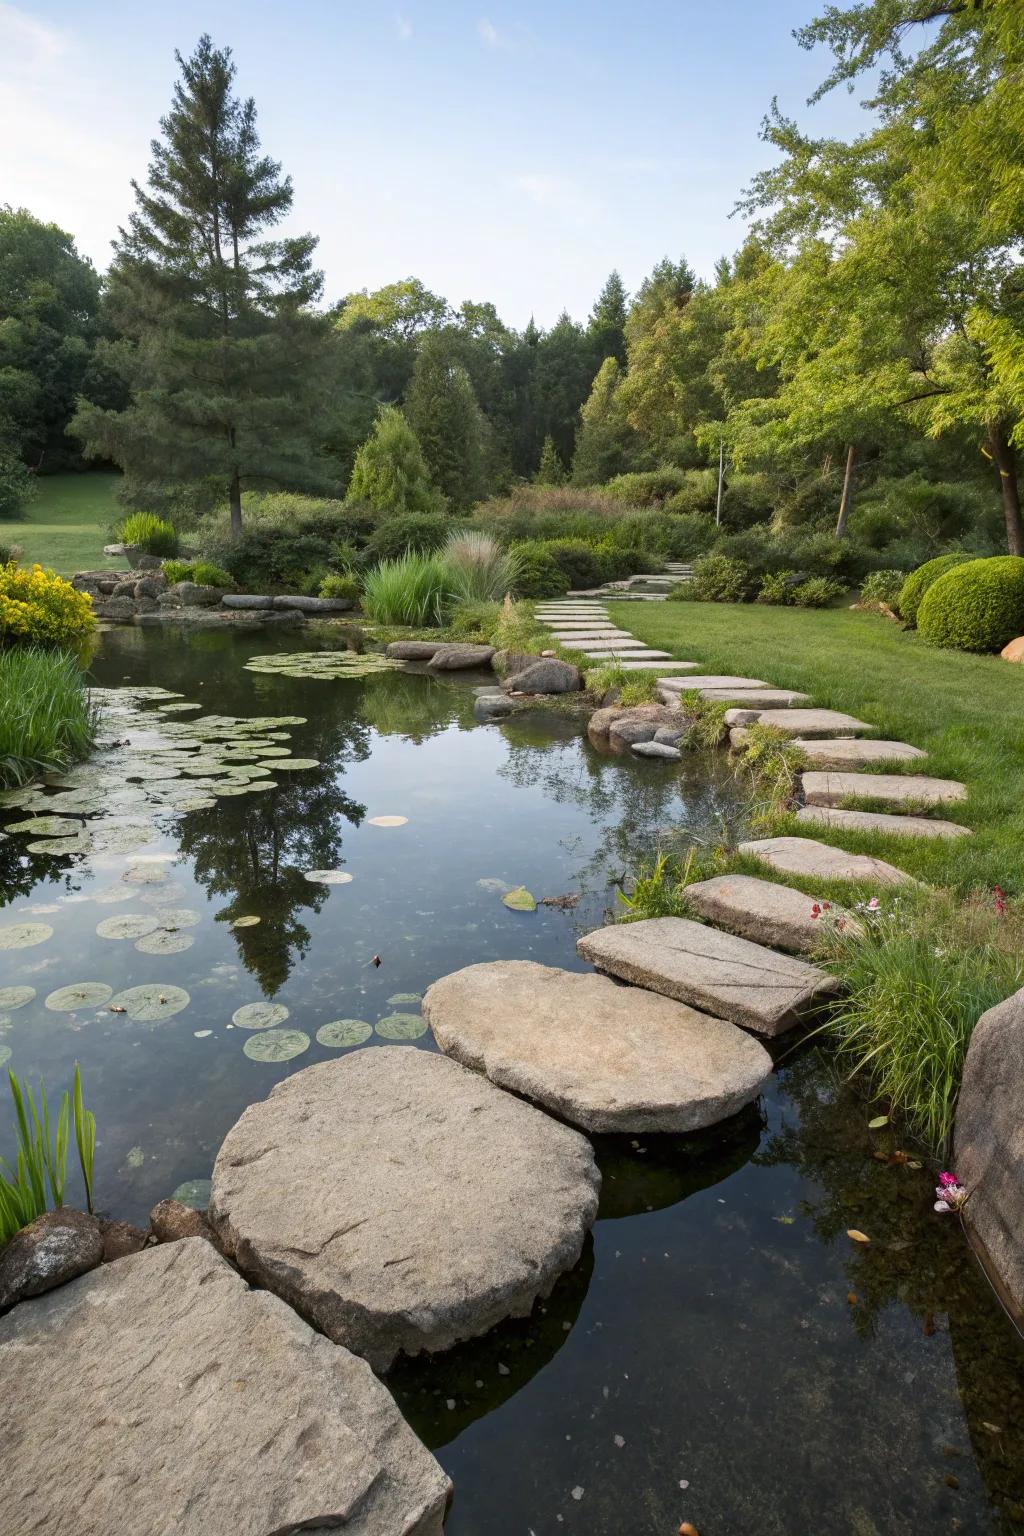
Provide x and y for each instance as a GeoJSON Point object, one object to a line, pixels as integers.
{"type": "Point", "coordinates": [68, 523]}
{"type": "Point", "coordinates": [966, 712]}
{"type": "Point", "coordinates": [46, 722]}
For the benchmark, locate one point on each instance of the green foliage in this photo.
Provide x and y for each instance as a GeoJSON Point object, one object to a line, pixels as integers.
{"type": "Point", "coordinates": [409, 532]}
{"type": "Point", "coordinates": [517, 629]}
{"type": "Point", "coordinates": [686, 535]}
{"type": "Point", "coordinates": [202, 572]}
{"type": "Point", "coordinates": [883, 588]}
{"type": "Point", "coordinates": [474, 621]}
{"type": "Point", "coordinates": [480, 570]}
{"type": "Point", "coordinates": [918, 582]}
{"type": "Point", "coordinates": [720, 579]}
{"type": "Point", "coordinates": [652, 487]}
{"type": "Point", "coordinates": [415, 589]}
{"type": "Point", "coordinates": [639, 688]}
{"type": "Point", "coordinates": [605, 442]}
{"type": "Point", "coordinates": [46, 720]}
{"type": "Point", "coordinates": [41, 1162]}
{"type": "Point", "coordinates": [390, 473]}
{"type": "Point", "coordinates": [659, 890]}
{"type": "Point", "coordinates": [284, 537]}
{"type": "Point", "coordinates": [817, 592]}
{"type": "Point", "coordinates": [17, 484]}
{"type": "Point", "coordinates": [978, 606]}
{"type": "Point", "coordinates": [338, 585]}
{"type": "Point", "coordinates": [705, 718]}
{"type": "Point", "coordinates": [771, 763]}
{"type": "Point", "coordinates": [550, 470]}
{"type": "Point", "coordinates": [447, 420]}
{"type": "Point", "coordinates": [149, 533]}
{"type": "Point", "coordinates": [777, 587]}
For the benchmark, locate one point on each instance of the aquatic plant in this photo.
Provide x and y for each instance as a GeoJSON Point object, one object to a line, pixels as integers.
{"type": "Point", "coordinates": [42, 1156]}
{"type": "Point", "coordinates": [46, 719]}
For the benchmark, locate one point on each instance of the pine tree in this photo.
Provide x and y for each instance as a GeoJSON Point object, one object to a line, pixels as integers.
{"type": "Point", "coordinates": [607, 326]}
{"type": "Point", "coordinates": [221, 350]}
{"type": "Point", "coordinates": [605, 442]}
{"type": "Point", "coordinates": [390, 473]}
{"type": "Point", "coordinates": [550, 470]}
{"type": "Point", "coordinates": [444, 414]}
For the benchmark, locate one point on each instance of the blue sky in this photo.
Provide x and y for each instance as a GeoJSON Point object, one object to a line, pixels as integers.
{"type": "Point", "coordinates": [506, 152]}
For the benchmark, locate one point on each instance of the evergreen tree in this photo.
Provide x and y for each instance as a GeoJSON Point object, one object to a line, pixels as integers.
{"type": "Point", "coordinates": [607, 325]}
{"type": "Point", "coordinates": [550, 470]}
{"type": "Point", "coordinates": [605, 443]}
{"type": "Point", "coordinates": [444, 414]}
{"type": "Point", "coordinates": [224, 357]}
{"type": "Point", "coordinates": [562, 379]}
{"type": "Point", "coordinates": [390, 473]}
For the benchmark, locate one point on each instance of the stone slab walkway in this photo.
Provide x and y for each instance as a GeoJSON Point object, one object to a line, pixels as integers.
{"type": "Point", "coordinates": [820, 861]}
{"type": "Point", "coordinates": [764, 912]}
{"type": "Point", "coordinates": [853, 753]}
{"type": "Point", "coordinates": [880, 821]}
{"type": "Point", "coordinates": [910, 789]}
{"type": "Point", "coordinates": [807, 723]}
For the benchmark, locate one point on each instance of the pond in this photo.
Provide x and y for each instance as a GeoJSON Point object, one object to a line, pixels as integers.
{"type": "Point", "coordinates": [723, 1353]}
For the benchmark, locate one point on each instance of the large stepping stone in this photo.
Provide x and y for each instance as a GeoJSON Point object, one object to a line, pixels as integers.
{"type": "Point", "coordinates": [716, 972]}
{"type": "Point", "coordinates": [634, 653]}
{"type": "Point", "coordinates": [615, 643]}
{"type": "Point", "coordinates": [632, 665]}
{"type": "Point", "coordinates": [401, 1202]}
{"type": "Point", "coordinates": [820, 861]}
{"type": "Point", "coordinates": [807, 723]}
{"type": "Point", "coordinates": [764, 912]}
{"type": "Point", "coordinates": [910, 789]}
{"type": "Point", "coordinates": [605, 1057]}
{"type": "Point", "coordinates": [704, 680]}
{"type": "Point", "coordinates": [756, 698]}
{"type": "Point", "coordinates": [851, 753]}
{"type": "Point", "coordinates": [880, 821]}
{"type": "Point", "coordinates": [159, 1394]}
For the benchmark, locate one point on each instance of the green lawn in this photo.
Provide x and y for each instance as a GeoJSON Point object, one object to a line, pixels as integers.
{"type": "Point", "coordinates": [967, 712]}
{"type": "Point", "coordinates": [68, 523]}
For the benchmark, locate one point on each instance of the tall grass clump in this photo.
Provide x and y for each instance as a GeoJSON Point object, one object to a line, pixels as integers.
{"type": "Point", "coordinates": [46, 720]}
{"type": "Point", "coordinates": [481, 571]}
{"type": "Point", "coordinates": [40, 1170]}
{"type": "Point", "coordinates": [149, 533]}
{"type": "Point", "coordinates": [914, 986]}
{"type": "Point", "coordinates": [414, 589]}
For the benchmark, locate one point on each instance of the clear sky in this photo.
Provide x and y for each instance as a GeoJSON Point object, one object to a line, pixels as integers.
{"type": "Point", "coordinates": [511, 152]}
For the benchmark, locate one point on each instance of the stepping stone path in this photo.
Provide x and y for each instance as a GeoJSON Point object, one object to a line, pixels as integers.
{"type": "Point", "coordinates": [820, 861]}
{"type": "Point", "coordinates": [764, 912]}
{"type": "Point", "coordinates": [889, 788]}
{"type": "Point", "coordinates": [198, 1406]}
{"type": "Point", "coordinates": [806, 723]}
{"type": "Point", "coordinates": [604, 1057]}
{"type": "Point", "coordinates": [880, 821]}
{"type": "Point", "coordinates": [603, 642]}
{"type": "Point", "coordinates": [851, 753]}
{"type": "Point", "coordinates": [723, 975]}
{"type": "Point", "coordinates": [401, 1202]}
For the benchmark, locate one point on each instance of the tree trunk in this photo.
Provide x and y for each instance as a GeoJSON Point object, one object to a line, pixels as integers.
{"type": "Point", "coordinates": [721, 483]}
{"type": "Point", "coordinates": [236, 503]}
{"type": "Point", "coordinates": [1005, 456]}
{"type": "Point", "coordinates": [846, 500]}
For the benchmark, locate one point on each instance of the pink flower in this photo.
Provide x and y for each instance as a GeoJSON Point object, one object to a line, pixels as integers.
{"type": "Point", "coordinates": [873, 904]}
{"type": "Point", "coordinates": [948, 1178]}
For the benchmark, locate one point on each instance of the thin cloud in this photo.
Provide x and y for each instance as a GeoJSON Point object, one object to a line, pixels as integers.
{"type": "Point", "coordinates": [26, 42]}
{"type": "Point", "coordinates": [558, 194]}
{"type": "Point", "coordinates": [489, 34]}
{"type": "Point", "coordinates": [404, 28]}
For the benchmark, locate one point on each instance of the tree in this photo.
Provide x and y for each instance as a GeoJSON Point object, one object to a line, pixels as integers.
{"type": "Point", "coordinates": [390, 473]}
{"type": "Point", "coordinates": [551, 470]}
{"type": "Point", "coordinates": [444, 414]}
{"type": "Point", "coordinates": [605, 444]}
{"type": "Point", "coordinates": [221, 349]}
{"type": "Point", "coordinates": [563, 374]}
{"type": "Point", "coordinates": [49, 307]}
{"type": "Point", "coordinates": [607, 324]}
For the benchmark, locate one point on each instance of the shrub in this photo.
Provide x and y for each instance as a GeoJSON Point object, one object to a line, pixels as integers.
{"type": "Point", "coordinates": [719, 579]}
{"type": "Point", "coordinates": [649, 488]}
{"type": "Point", "coordinates": [415, 589]}
{"type": "Point", "coordinates": [17, 484]}
{"type": "Point", "coordinates": [882, 589]}
{"type": "Point", "coordinates": [748, 499]}
{"type": "Point", "coordinates": [919, 581]}
{"type": "Point", "coordinates": [44, 609]}
{"type": "Point", "coordinates": [417, 532]}
{"type": "Point", "coordinates": [698, 492]}
{"type": "Point", "coordinates": [978, 606]}
{"type": "Point", "coordinates": [817, 592]}
{"type": "Point", "coordinates": [339, 585]}
{"type": "Point", "coordinates": [10, 554]}
{"type": "Point", "coordinates": [551, 512]}
{"type": "Point", "coordinates": [777, 587]}
{"type": "Point", "coordinates": [687, 535]}
{"type": "Point", "coordinates": [639, 688]}
{"type": "Point", "coordinates": [540, 575]}
{"type": "Point", "coordinates": [149, 533]}
{"type": "Point", "coordinates": [390, 473]}
{"type": "Point", "coordinates": [475, 621]}
{"type": "Point", "coordinates": [46, 721]}
{"type": "Point", "coordinates": [202, 572]}
{"type": "Point", "coordinates": [481, 571]}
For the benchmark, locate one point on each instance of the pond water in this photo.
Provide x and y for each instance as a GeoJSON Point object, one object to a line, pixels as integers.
{"type": "Point", "coordinates": [723, 1353]}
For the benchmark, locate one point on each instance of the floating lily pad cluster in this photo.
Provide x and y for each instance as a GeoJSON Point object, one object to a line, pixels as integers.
{"type": "Point", "coordinates": [323, 665]}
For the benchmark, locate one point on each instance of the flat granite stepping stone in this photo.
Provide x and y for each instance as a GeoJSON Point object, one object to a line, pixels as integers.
{"type": "Point", "coordinates": [764, 912]}
{"type": "Point", "coordinates": [820, 861]}
{"type": "Point", "coordinates": [179, 1402]}
{"type": "Point", "coordinates": [716, 680]}
{"type": "Point", "coordinates": [912, 789]}
{"type": "Point", "coordinates": [634, 652]}
{"type": "Point", "coordinates": [756, 698]}
{"type": "Point", "coordinates": [807, 723]}
{"type": "Point", "coordinates": [849, 752]}
{"type": "Point", "coordinates": [401, 1202]}
{"type": "Point", "coordinates": [716, 972]}
{"type": "Point", "coordinates": [617, 644]}
{"type": "Point", "coordinates": [881, 821]}
{"type": "Point", "coordinates": [659, 666]}
{"type": "Point", "coordinates": [605, 1057]}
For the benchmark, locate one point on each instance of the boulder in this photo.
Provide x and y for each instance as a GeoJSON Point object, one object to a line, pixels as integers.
{"type": "Point", "coordinates": [412, 650]}
{"type": "Point", "coordinates": [764, 912]}
{"type": "Point", "coordinates": [604, 1057]}
{"type": "Point", "coordinates": [146, 605]}
{"type": "Point", "coordinates": [120, 1239]}
{"type": "Point", "coordinates": [602, 721]}
{"type": "Point", "coordinates": [124, 589]}
{"type": "Point", "coordinates": [119, 609]}
{"type": "Point", "coordinates": [171, 1220]}
{"type": "Point", "coordinates": [493, 706]}
{"type": "Point", "coordinates": [191, 594]}
{"type": "Point", "coordinates": [177, 1400]}
{"type": "Point", "coordinates": [504, 662]}
{"type": "Point", "coordinates": [545, 676]}
{"type": "Point", "coordinates": [145, 562]}
{"type": "Point", "coordinates": [115, 551]}
{"type": "Point", "coordinates": [1014, 651]}
{"type": "Point", "coordinates": [820, 861]}
{"type": "Point", "coordinates": [150, 586]}
{"type": "Point", "coordinates": [910, 789]}
{"type": "Point", "coordinates": [50, 1251]}
{"type": "Point", "coordinates": [400, 1202]}
{"type": "Point", "coordinates": [716, 972]}
{"type": "Point", "coordinates": [302, 604]}
{"type": "Point", "coordinates": [657, 749]}
{"type": "Point", "coordinates": [453, 658]}
{"type": "Point", "coordinates": [246, 600]}
{"type": "Point", "coordinates": [989, 1145]}
{"type": "Point", "coordinates": [669, 735]}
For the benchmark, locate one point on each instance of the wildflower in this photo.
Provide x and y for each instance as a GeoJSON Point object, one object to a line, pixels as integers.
{"type": "Point", "coordinates": [950, 1192]}
{"type": "Point", "coordinates": [873, 904]}
{"type": "Point", "coordinates": [815, 911]}
{"type": "Point", "coordinates": [1000, 900]}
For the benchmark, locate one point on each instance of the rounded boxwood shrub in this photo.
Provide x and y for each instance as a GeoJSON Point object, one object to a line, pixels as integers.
{"type": "Point", "coordinates": [975, 606]}
{"type": "Point", "coordinates": [918, 582]}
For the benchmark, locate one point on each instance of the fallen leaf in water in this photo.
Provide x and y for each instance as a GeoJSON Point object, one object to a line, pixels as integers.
{"type": "Point", "coordinates": [877, 1123]}
{"type": "Point", "coordinates": [951, 1481]}
{"type": "Point", "coordinates": [686, 1529]}
{"type": "Point", "coordinates": [520, 900]}
{"type": "Point", "coordinates": [387, 821]}
{"type": "Point", "coordinates": [993, 1429]}
{"type": "Point", "coordinates": [851, 1297]}
{"type": "Point", "coordinates": [857, 1236]}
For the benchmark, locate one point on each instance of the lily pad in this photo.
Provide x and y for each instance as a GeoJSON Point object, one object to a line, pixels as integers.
{"type": "Point", "coordinates": [295, 764]}
{"type": "Point", "coordinates": [400, 999]}
{"type": "Point", "coordinates": [401, 1026]}
{"type": "Point", "coordinates": [130, 925]}
{"type": "Point", "coordinates": [178, 917]}
{"type": "Point", "coordinates": [328, 876]}
{"type": "Point", "coordinates": [259, 1015]}
{"type": "Point", "coordinates": [144, 874]}
{"type": "Point", "coordinates": [388, 821]}
{"type": "Point", "coordinates": [83, 994]}
{"type": "Point", "coordinates": [152, 1003]}
{"type": "Point", "coordinates": [195, 1193]}
{"type": "Point", "coordinates": [24, 935]}
{"type": "Point", "coordinates": [16, 997]}
{"type": "Point", "coordinates": [344, 1032]}
{"type": "Point", "coordinates": [245, 922]}
{"type": "Point", "coordinates": [80, 842]}
{"type": "Point", "coordinates": [276, 1045]}
{"type": "Point", "coordinates": [520, 900]}
{"type": "Point", "coordinates": [125, 839]}
{"type": "Point", "coordinates": [46, 826]}
{"type": "Point", "coordinates": [112, 893]}
{"type": "Point", "coordinates": [163, 942]}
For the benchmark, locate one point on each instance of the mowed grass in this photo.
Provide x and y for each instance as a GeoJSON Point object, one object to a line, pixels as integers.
{"type": "Point", "coordinates": [966, 712]}
{"type": "Point", "coordinates": [66, 526]}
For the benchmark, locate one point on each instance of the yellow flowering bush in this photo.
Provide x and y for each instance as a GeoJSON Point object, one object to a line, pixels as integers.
{"type": "Point", "coordinates": [41, 608]}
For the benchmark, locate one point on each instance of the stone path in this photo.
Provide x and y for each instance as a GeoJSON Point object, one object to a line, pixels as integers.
{"type": "Point", "coordinates": [585, 626]}
{"type": "Point", "coordinates": [880, 821]}
{"type": "Point", "coordinates": [910, 789]}
{"type": "Point", "coordinates": [850, 752]}
{"type": "Point", "coordinates": [763, 911]}
{"type": "Point", "coordinates": [821, 861]}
